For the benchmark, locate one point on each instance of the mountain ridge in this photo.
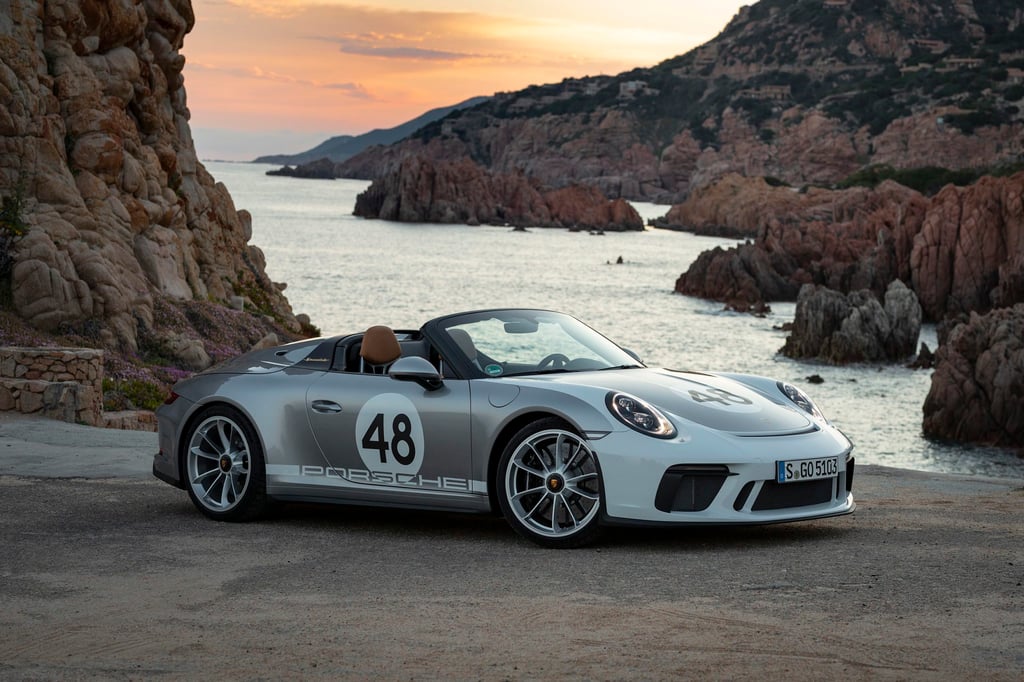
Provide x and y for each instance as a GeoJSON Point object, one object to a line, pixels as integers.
{"type": "Point", "coordinates": [807, 91]}
{"type": "Point", "coordinates": [342, 147]}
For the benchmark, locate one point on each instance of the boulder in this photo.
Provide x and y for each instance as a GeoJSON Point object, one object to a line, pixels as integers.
{"type": "Point", "coordinates": [903, 311]}
{"type": "Point", "coordinates": [187, 352]}
{"type": "Point", "coordinates": [977, 389]}
{"type": "Point", "coordinates": [856, 327]}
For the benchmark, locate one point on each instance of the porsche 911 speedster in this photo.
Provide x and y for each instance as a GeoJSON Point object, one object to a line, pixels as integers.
{"type": "Point", "coordinates": [529, 413]}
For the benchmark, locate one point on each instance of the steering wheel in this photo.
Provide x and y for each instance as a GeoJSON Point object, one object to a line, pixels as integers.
{"type": "Point", "coordinates": [556, 360]}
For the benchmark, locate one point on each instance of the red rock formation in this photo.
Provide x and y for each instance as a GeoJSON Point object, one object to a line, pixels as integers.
{"type": "Point", "coordinates": [962, 250]}
{"type": "Point", "coordinates": [740, 206]}
{"type": "Point", "coordinates": [969, 253]}
{"type": "Point", "coordinates": [977, 390]}
{"type": "Point", "coordinates": [463, 192]}
{"type": "Point", "coordinates": [855, 248]}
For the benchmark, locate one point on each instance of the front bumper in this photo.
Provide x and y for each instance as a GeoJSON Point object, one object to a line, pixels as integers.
{"type": "Point", "coordinates": [719, 479]}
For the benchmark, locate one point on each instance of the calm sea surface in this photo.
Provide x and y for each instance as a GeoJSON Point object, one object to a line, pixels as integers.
{"type": "Point", "coordinates": [348, 273]}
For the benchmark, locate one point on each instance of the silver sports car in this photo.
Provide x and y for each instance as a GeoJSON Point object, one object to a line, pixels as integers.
{"type": "Point", "coordinates": [527, 412]}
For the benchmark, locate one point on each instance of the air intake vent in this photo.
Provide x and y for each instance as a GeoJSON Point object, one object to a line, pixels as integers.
{"type": "Point", "coordinates": [786, 495]}
{"type": "Point", "coordinates": [690, 487]}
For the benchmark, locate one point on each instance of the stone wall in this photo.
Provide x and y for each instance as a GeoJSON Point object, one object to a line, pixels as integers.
{"type": "Point", "coordinates": [60, 383]}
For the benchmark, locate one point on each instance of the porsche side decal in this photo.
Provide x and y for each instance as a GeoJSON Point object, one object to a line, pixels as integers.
{"type": "Point", "coordinates": [359, 478]}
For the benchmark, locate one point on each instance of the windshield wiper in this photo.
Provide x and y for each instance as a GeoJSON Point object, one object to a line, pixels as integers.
{"type": "Point", "coordinates": [533, 372]}
{"type": "Point", "coordinates": [634, 366]}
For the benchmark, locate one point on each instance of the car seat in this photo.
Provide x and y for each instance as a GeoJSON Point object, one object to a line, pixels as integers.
{"type": "Point", "coordinates": [379, 349]}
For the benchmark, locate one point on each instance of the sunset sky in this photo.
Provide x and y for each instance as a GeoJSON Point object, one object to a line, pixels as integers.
{"type": "Point", "coordinates": [280, 76]}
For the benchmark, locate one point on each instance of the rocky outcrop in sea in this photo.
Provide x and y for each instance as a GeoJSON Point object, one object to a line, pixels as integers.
{"type": "Point", "coordinates": [116, 210]}
{"type": "Point", "coordinates": [423, 191]}
{"type": "Point", "coordinates": [321, 169]}
{"type": "Point", "coordinates": [977, 390]}
{"type": "Point", "coordinates": [856, 327]}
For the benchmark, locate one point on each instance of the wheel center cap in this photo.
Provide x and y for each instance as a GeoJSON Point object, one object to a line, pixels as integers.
{"type": "Point", "coordinates": [225, 463]}
{"type": "Point", "coordinates": [555, 483]}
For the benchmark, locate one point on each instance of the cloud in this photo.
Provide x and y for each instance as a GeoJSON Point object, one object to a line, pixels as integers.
{"type": "Point", "coordinates": [356, 90]}
{"type": "Point", "coordinates": [396, 46]}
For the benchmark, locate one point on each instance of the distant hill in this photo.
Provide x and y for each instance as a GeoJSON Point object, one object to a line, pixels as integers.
{"type": "Point", "coordinates": [805, 91]}
{"type": "Point", "coordinates": [342, 147]}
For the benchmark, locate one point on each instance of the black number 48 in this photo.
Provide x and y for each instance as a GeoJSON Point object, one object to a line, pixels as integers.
{"type": "Point", "coordinates": [401, 428]}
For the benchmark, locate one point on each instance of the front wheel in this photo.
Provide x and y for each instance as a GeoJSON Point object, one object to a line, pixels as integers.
{"type": "Point", "coordinates": [224, 466]}
{"type": "Point", "coordinates": [549, 485]}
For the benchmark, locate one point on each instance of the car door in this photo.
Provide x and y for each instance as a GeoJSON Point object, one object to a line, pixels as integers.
{"type": "Point", "coordinates": [385, 437]}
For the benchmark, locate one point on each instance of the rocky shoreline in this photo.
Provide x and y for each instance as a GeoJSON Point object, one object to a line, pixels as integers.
{"type": "Point", "coordinates": [839, 253]}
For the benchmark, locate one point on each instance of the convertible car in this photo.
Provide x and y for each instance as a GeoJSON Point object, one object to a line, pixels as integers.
{"type": "Point", "coordinates": [529, 413]}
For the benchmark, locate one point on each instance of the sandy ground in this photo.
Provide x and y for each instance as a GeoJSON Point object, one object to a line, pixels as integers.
{"type": "Point", "coordinates": [108, 573]}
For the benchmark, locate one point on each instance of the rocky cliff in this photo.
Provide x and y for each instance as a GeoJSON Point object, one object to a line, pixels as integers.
{"type": "Point", "coordinates": [803, 90]}
{"type": "Point", "coordinates": [97, 156]}
{"type": "Point", "coordinates": [423, 191]}
{"type": "Point", "coordinates": [960, 250]}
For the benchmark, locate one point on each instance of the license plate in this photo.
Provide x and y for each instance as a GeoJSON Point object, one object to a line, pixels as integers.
{"type": "Point", "coordinates": [793, 470]}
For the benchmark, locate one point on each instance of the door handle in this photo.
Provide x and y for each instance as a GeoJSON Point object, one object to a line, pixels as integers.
{"type": "Point", "coordinates": [326, 407]}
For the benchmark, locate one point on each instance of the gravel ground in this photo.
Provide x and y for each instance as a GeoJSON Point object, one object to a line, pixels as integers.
{"type": "Point", "coordinates": [121, 578]}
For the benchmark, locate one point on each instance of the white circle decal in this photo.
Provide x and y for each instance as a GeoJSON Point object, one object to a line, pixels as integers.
{"type": "Point", "coordinates": [389, 434]}
{"type": "Point", "coordinates": [720, 399]}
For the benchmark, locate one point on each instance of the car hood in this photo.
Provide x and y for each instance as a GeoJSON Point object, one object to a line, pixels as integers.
{"type": "Point", "coordinates": [712, 401]}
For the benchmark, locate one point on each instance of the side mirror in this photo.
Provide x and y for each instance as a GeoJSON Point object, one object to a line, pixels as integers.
{"type": "Point", "coordinates": [416, 369]}
{"type": "Point", "coordinates": [633, 355]}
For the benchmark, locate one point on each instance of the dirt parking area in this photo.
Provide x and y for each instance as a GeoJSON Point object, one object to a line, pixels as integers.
{"type": "Point", "coordinates": [121, 578]}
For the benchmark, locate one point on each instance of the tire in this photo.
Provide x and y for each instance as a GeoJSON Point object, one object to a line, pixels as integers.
{"type": "Point", "coordinates": [549, 485]}
{"type": "Point", "coordinates": [223, 465]}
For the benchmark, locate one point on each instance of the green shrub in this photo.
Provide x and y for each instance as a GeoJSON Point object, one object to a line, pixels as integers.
{"type": "Point", "coordinates": [127, 394]}
{"type": "Point", "coordinates": [927, 179]}
{"type": "Point", "coordinates": [12, 228]}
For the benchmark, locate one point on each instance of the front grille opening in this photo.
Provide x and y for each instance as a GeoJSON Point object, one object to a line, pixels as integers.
{"type": "Point", "coordinates": [690, 487]}
{"type": "Point", "coordinates": [786, 495]}
{"type": "Point", "coordinates": [741, 499]}
{"type": "Point", "coordinates": [849, 475]}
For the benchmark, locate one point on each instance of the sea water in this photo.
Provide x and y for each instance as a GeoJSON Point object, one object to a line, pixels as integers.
{"type": "Point", "coordinates": [348, 273]}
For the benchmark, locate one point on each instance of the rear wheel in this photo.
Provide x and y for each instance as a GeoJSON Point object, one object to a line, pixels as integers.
{"type": "Point", "coordinates": [224, 466]}
{"type": "Point", "coordinates": [549, 485]}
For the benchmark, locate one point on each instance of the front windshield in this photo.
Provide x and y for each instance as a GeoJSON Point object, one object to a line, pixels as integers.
{"type": "Point", "coordinates": [517, 342]}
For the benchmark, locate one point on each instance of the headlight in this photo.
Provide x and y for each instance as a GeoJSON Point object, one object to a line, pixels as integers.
{"type": "Point", "coordinates": [639, 415]}
{"type": "Point", "coordinates": [800, 399]}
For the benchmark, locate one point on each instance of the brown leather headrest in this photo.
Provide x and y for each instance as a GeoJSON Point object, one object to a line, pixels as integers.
{"type": "Point", "coordinates": [380, 346]}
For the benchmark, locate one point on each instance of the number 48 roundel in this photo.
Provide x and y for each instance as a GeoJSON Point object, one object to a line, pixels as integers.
{"type": "Point", "coordinates": [389, 434]}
